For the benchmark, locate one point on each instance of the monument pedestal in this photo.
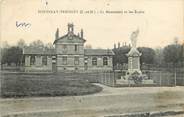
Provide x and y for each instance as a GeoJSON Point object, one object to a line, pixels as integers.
{"type": "Point", "coordinates": [133, 61]}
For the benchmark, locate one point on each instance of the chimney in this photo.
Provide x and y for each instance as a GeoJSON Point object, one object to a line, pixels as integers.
{"type": "Point", "coordinates": [81, 33]}
{"type": "Point", "coordinates": [57, 34]}
{"type": "Point", "coordinates": [114, 46]}
{"type": "Point", "coordinates": [118, 44]}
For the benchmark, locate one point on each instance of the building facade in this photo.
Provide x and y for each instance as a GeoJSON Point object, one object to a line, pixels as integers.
{"type": "Point", "coordinates": [68, 54]}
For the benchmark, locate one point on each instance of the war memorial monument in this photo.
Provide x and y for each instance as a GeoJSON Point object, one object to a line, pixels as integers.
{"type": "Point", "coordinates": [134, 74]}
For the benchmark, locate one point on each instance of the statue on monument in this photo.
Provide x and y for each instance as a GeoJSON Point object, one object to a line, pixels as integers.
{"type": "Point", "coordinates": [134, 74]}
{"type": "Point", "coordinates": [134, 54]}
{"type": "Point", "coordinates": [133, 38]}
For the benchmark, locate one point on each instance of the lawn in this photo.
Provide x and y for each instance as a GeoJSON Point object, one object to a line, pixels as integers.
{"type": "Point", "coordinates": [34, 85]}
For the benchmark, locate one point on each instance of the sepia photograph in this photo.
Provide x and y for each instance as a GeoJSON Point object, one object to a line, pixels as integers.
{"type": "Point", "coordinates": [90, 58]}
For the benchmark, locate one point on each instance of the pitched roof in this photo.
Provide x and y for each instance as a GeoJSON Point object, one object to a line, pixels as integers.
{"type": "Point", "coordinates": [32, 50]}
{"type": "Point", "coordinates": [67, 35]}
{"type": "Point", "coordinates": [98, 52]}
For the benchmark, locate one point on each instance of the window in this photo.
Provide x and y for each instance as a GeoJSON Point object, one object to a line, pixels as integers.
{"type": "Point", "coordinates": [44, 60]}
{"type": "Point", "coordinates": [64, 48]}
{"type": "Point", "coordinates": [105, 61]}
{"type": "Point", "coordinates": [86, 60]}
{"type": "Point", "coordinates": [76, 48]}
{"type": "Point", "coordinates": [76, 60]}
{"type": "Point", "coordinates": [64, 60]}
{"type": "Point", "coordinates": [94, 61]}
{"type": "Point", "coordinates": [32, 60]}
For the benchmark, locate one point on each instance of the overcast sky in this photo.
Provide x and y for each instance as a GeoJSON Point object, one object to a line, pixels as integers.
{"type": "Point", "coordinates": [161, 22]}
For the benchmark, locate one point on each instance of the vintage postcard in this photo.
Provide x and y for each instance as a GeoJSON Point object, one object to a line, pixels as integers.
{"type": "Point", "coordinates": [91, 58]}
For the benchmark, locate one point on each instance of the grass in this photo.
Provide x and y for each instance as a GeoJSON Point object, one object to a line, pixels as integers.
{"type": "Point", "coordinates": [34, 85]}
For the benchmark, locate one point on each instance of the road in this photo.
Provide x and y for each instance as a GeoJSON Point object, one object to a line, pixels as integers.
{"type": "Point", "coordinates": [111, 101]}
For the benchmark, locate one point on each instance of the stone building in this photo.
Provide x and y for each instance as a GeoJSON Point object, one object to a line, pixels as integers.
{"type": "Point", "coordinates": [68, 54]}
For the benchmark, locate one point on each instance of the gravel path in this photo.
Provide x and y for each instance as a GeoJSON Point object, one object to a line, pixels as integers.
{"type": "Point", "coordinates": [108, 102]}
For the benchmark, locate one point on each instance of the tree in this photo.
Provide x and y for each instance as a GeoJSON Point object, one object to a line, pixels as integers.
{"type": "Point", "coordinates": [12, 55]}
{"type": "Point", "coordinates": [159, 57]}
{"type": "Point", "coordinates": [173, 53]}
{"type": "Point", "coordinates": [49, 46]}
{"type": "Point", "coordinates": [21, 43]}
{"type": "Point", "coordinates": [3, 48]}
{"type": "Point", "coordinates": [37, 44]}
{"type": "Point", "coordinates": [148, 55]}
{"type": "Point", "coordinates": [120, 55]}
{"type": "Point", "coordinates": [182, 51]}
{"type": "Point", "coordinates": [4, 45]}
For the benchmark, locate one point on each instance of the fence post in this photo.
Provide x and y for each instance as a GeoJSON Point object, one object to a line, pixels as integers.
{"type": "Point", "coordinates": [114, 80]}
{"type": "Point", "coordinates": [160, 79]}
{"type": "Point", "coordinates": [175, 77]}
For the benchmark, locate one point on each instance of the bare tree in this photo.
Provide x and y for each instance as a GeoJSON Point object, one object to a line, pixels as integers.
{"type": "Point", "coordinates": [37, 44]}
{"type": "Point", "coordinates": [21, 43]}
{"type": "Point", "coordinates": [49, 46]}
{"type": "Point", "coordinates": [5, 44]}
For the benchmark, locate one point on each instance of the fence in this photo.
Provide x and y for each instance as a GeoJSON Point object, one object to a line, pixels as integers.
{"type": "Point", "coordinates": [103, 77]}
{"type": "Point", "coordinates": [161, 78]}
{"type": "Point", "coordinates": [163, 75]}
{"type": "Point", "coordinates": [107, 78]}
{"type": "Point", "coordinates": [179, 78]}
